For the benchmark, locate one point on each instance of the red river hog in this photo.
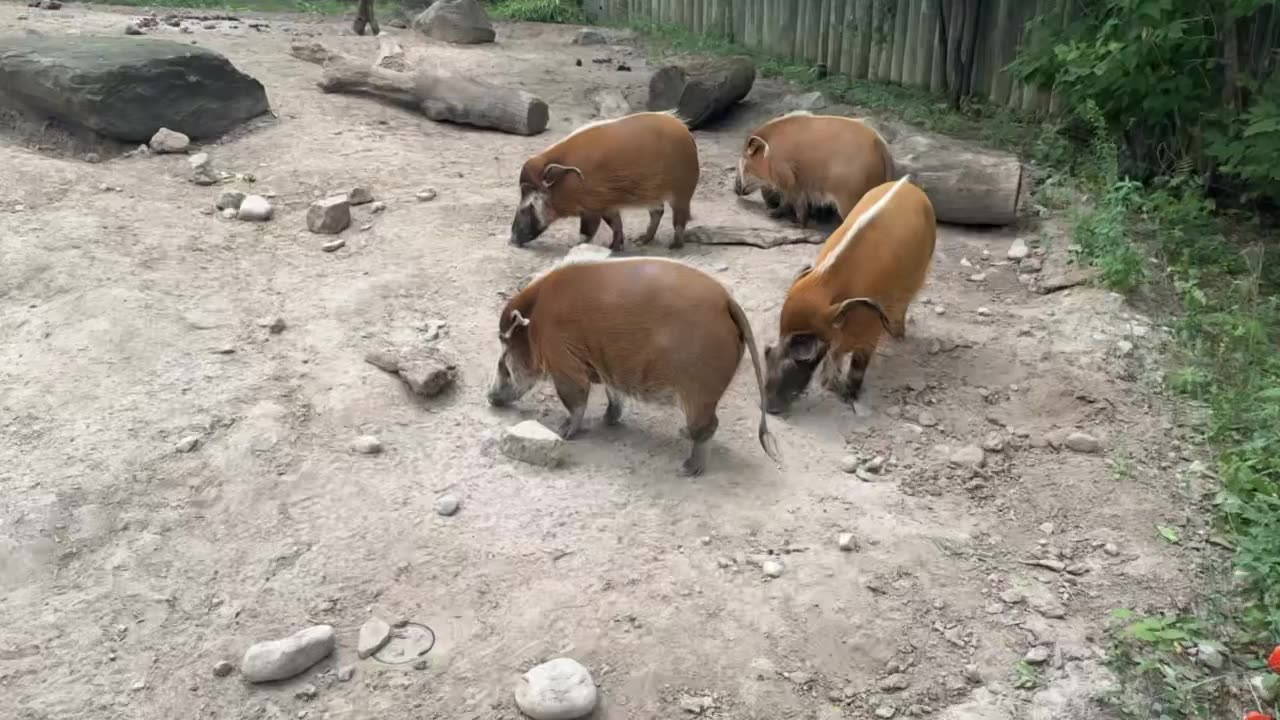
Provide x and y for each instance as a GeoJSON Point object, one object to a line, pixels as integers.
{"type": "Point", "coordinates": [643, 160]}
{"type": "Point", "coordinates": [866, 275]}
{"type": "Point", "coordinates": [648, 328]}
{"type": "Point", "coordinates": [810, 160]}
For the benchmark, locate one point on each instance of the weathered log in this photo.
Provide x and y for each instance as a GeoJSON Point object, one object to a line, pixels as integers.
{"type": "Point", "coordinates": [390, 55]}
{"type": "Point", "coordinates": [701, 90]}
{"type": "Point", "coordinates": [967, 185]}
{"type": "Point", "coordinates": [755, 237]}
{"type": "Point", "coordinates": [439, 96]}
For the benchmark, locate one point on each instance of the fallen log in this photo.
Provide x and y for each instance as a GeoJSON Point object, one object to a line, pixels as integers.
{"type": "Point", "coordinates": [439, 96]}
{"type": "Point", "coordinates": [967, 185]}
{"type": "Point", "coordinates": [701, 90]}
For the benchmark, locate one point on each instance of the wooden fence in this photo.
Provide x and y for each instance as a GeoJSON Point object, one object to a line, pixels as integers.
{"type": "Point", "coordinates": [895, 41]}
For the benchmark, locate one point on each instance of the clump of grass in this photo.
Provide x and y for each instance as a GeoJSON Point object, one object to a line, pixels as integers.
{"type": "Point", "coordinates": [549, 11]}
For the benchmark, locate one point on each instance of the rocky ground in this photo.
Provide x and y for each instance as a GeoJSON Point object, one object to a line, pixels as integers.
{"type": "Point", "coordinates": [182, 396]}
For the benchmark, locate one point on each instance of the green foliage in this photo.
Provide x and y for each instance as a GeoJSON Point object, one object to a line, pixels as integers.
{"type": "Point", "coordinates": [550, 11]}
{"type": "Point", "coordinates": [1158, 73]}
{"type": "Point", "coordinates": [325, 7]}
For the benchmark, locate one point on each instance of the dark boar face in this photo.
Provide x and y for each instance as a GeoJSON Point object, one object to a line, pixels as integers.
{"type": "Point", "coordinates": [516, 373]}
{"type": "Point", "coordinates": [789, 367]}
{"type": "Point", "coordinates": [537, 208]}
{"type": "Point", "coordinates": [533, 216]}
{"type": "Point", "coordinates": [753, 167]}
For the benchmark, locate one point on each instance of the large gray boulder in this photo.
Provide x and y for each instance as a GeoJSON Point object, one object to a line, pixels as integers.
{"type": "Point", "coordinates": [456, 21]}
{"type": "Point", "coordinates": [128, 88]}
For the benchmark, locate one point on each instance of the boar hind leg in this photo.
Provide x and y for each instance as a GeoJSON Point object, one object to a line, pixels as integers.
{"type": "Point", "coordinates": [680, 220]}
{"type": "Point", "coordinates": [655, 219]}
{"type": "Point", "coordinates": [614, 220]}
{"type": "Point", "coordinates": [574, 396]}
{"type": "Point", "coordinates": [613, 413]}
{"type": "Point", "coordinates": [588, 225]}
{"type": "Point", "coordinates": [702, 423]}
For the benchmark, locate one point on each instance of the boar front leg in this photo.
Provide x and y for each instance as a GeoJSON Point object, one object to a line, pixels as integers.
{"type": "Point", "coordinates": [574, 396]}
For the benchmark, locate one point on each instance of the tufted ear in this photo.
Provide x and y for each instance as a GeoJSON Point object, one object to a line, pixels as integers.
{"type": "Point", "coordinates": [517, 321]}
{"type": "Point", "coordinates": [555, 173]}
{"type": "Point", "coordinates": [756, 145]}
{"type": "Point", "coordinates": [840, 310]}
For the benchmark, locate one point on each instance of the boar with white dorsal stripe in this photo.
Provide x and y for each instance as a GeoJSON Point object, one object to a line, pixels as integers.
{"type": "Point", "coordinates": [865, 277]}
{"type": "Point", "coordinates": [644, 160]}
{"type": "Point", "coordinates": [649, 328]}
{"type": "Point", "coordinates": [813, 161]}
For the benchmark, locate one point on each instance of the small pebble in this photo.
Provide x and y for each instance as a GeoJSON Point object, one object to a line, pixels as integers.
{"type": "Point", "coordinates": [886, 711]}
{"type": "Point", "coordinates": [222, 668]}
{"type": "Point", "coordinates": [1111, 549]}
{"type": "Point", "coordinates": [188, 443]}
{"type": "Point", "coordinates": [1047, 528]}
{"type": "Point", "coordinates": [993, 442]}
{"type": "Point", "coordinates": [360, 196]}
{"type": "Point", "coordinates": [939, 310]}
{"type": "Point", "coordinates": [968, 456]}
{"type": "Point", "coordinates": [229, 199]}
{"type": "Point", "coordinates": [333, 245]}
{"type": "Point", "coordinates": [255, 208]}
{"type": "Point", "coordinates": [446, 505]}
{"type": "Point", "coordinates": [367, 445]}
{"type": "Point", "coordinates": [984, 311]}
{"type": "Point", "coordinates": [346, 672]}
{"type": "Point", "coordinates": [847, 542]}
{"type": "Point", "coordinates": [374, 633]}
{"type": "Point", "coordinates": [1018, 250]}
{"type": "Point", "coordinates": [377, 206]}
{"type": "Point", "coordinates": [306, 692]}
{"type": "Point", "coordinates": [169, 141]}
{"type": "Point", "coordinates": [1037, 655]}
{"type": "Point", "coordinates": [1082, 442]}
{"type": "Point", "coordinates": [875, 464]}
{"type": "Point", "coordinates": [230, 213]}
{"type": "Point", "coordinates": [132, 29]}
{"type": "Point", "coordinates": [426, 195]}
{"type": "Point", "coordinates": [772, 568]}
{"type": "Point", "coordinates": [850, 463]}
{"type": "Point", "coordinates": [926, 419]}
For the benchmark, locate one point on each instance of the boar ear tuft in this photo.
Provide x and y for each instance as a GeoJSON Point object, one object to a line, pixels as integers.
{"type": "Point", "coordinates": [555, 173]}
{"type": "Point", "coordinates": [517, 321]}
{"type": "Point", "coordinates": [756, 145]}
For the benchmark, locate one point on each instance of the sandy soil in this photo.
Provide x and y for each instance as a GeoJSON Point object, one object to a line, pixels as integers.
{"type": "Point", "coordinates": [128, 568]}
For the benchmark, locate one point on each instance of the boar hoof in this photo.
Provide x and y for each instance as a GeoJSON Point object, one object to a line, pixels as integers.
{"type": "Point", "coordinates": [692, 467]}
{"type": "Point", "coordinates": [568, 429]}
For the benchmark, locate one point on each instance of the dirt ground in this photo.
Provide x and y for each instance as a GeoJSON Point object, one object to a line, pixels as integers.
{"type": "Point", "coordinates": [131, 318]}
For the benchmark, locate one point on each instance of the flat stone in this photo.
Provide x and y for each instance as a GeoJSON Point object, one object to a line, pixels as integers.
{"type": "Point", "coordinates": [255, 208]}
{"type": "Point", "coordinates": [847, 542]}
{"type": "Point", "coordinates": [377, 206]}
{"type": "Point", "coordinates": [993, 442]}
{"type": "Point", "coordinates": [1018, 250]}
{"type": "Point", "coordinates": [1013, 597]}
{"type": "Point", "coordinates": [970, 456]}
{"type": "Point", "coordinates": [333, 245]}
{"type": "Point", "coordinates": [128, 90]}
{"type": "Point", "coordinates": [926, 419]}
{"type": "Point", "coordinates": [426, 195]}
{"type": "Point", "coordinates": [805, 102]}
{"type": "Point", "coordinates": [346, 672]}
{"type": "Point", "coordinates": [359, 196]}
{"type": "Point", "coordinates": [896, 682]}
{"type": "Point", "coordinates": [446, 505]}
{"type": "Point", "coordinates": [1048, 607]}
{"type": "Point", "coordinates": [1210, 656]}
{"type": "Point", "coordinates": [531, 442]}
{"type": "Point", "coordinates": [306, 692]}
{"type": "Point", "coordinates": [230, 213]}
{"type": "Point", "coordinates": [886, 711]}
{"type": "Point", "coordinates": [559, 689]}
{"type": "Point", "coordinates": [427, 378]}
{"type": "Point", "coordinates": [187, 444]}
{"type": "Point", "coordinates": [456, 21]}
{"type": "Point", "coordinates": [329, 216]}
{"type": "Point", "coordinates": [373, 635]}
{"type": "Point", "coordinates": [230, 199]}
{"type": "Point", "coordinates": [590, 36]}
{"type": "Point", "coordinates": [366, 445]}
{"type": "Point", "coordinates": [285, 658]}
{"type": "Point", "coordinates": [1083, 442]}
{"type": "Point", "coordinates": [169, 141]}
{"type": "Point", "coordinates": [772, 568]}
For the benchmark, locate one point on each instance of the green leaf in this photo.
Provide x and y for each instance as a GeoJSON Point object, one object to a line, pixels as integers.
{"type": "Point", "coordinates": [1169, 534]}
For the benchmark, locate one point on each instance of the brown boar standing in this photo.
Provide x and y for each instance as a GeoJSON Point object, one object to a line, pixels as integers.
{"type": "Point", "coordinates": [648, 328]}
{"type": "Point", "coordinates": [801, 161]}
{"type": "Point", "coordinates": [643, 160]}
{"type": "Point", "coordinates": [877, 260]}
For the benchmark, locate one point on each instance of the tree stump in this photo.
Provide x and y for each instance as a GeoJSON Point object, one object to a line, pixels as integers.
{"type": "Point", "coordinates": [701, 90]}
{"type": "Point", "coordinates": [438, 95]}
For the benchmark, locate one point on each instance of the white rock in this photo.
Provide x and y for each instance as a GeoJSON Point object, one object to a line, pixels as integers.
{"type": "Point", "coordinates": [559, 689]}
{"type": "Point", "coordinates": [984, 311]}
{"type": "Point", "coordinates": [772, 568]}
{"type": "Point", "coordinates": [1018, 250]}
{"type": "Point", "coordinates": [926, 419]}
{"type": "Point", "coordinates": [333, 245]}
{"type": "Point", "coordinates": [230, 199]}
{"type": "Point", "coordinates": [280, 659]}
{"type": "Point", "coordinates": [531, 442]}
{"type": "Point", "coordinates": [373, 635]}
{"type": "Point", "coordinates": [377, 206]}
{"type": "Point", "coordinates": [1266, 687]}
{"type": "Point", "coordinates": [1111, 549]}
{"type": "Point", "coordinates": [939, 310]}
{"type": "Point", "coordinates": [188, 443]}
{"type": "Point", "coordinates": [1013, 597]}
{"type": "Point", "coordinates": [1210, 656]}
{"type": "Point", "coordinates": [255, 208]}
{"type": "Point", "coordinates": [329, 216]}
{"type": "Point", "coordinates": [446, 505]}
{"type": "Point", "coordinates": [169, 141]}
{"type": "Point", "coordinates": [847, 542]}
{"type": "Point", "coordinates": [426, 195]}
{"type": "Point", "coordinates": [367, 445]}
{"type": "Point", "coordinates": [230, 213]}
{"type": "Point", "coordinates": [1037, 655]}
{"type": "Point", "coordinates": [202, 172]}
{"type": "Point", "coordinates": [968, 456]}
{"type": "Point", "coordinates": [994, 442]}
{"type": "Point", "coordinates": [886, 711]}
{"type": "Point", "coordinates": [346, 672]}
{"type": "Point", "coordinates": [850, 463]}
{"type": "Point", "coordinates": [1082, 442]}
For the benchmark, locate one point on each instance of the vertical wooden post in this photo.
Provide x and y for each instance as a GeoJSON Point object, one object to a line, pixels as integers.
{"type": "Point", "coordinates": [861, 46]}
{"type": "Point", "coordinates": [911, 58]}
{"type": "Point", "coordinates": [836, 36]}
{"type": "Point", "coordinates": [902, 11]}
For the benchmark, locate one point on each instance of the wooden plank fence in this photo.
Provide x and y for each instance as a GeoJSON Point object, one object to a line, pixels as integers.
{"type": "Point", "coordinates": [896, 41]}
